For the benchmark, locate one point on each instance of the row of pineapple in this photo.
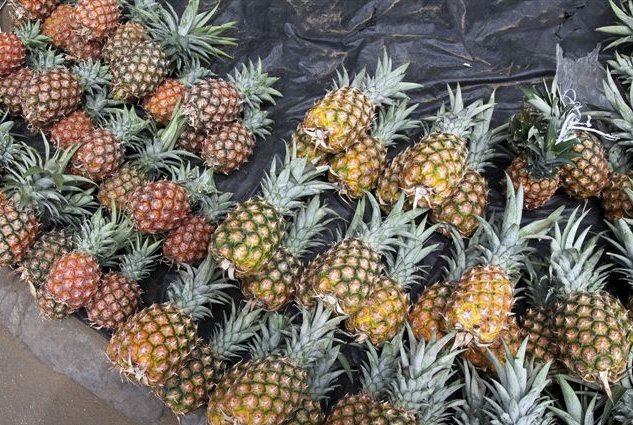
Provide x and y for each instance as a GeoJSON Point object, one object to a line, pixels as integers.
{"type": "Point", "coordinates": [571, 319]}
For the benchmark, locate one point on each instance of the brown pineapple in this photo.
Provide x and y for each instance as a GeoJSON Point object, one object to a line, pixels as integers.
{"type": "Point", "coordinates": [11, 88]}
{"type": "Point", "coordinates": [188, 243]}
{"type": "Point", "coordinates": [31, 10]}
{"type": "Point", "coordinates": [158, 206]}
{"type": "Point", "coordinates": [51, 245]}
{"type": "Point", "coordinates": [160, 104]}
{"type": "Point", "coordinates": [96, 19]}
{"type": "Point", "coordinates": [70, 130]}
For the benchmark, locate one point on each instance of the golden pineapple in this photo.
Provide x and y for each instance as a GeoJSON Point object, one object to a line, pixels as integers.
{"type": "Point", "coordinates": [305, 149]}
{"type": "Point", "coordinates": [160, 104]}
{"type": "Point", "coordinates": [588, 174]}
{"type": "Point", "coordinates": [426, 315]}
{"type": "Point", "coordinates": [358, 169]}
{"type": "Point", "coordinates": [345, 115]}
{"type": "Point", "coordinates": [509, 337]}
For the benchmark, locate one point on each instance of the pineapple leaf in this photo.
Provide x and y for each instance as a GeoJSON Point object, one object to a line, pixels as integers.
{"type": "Point", "coordinates": [257, 122]}
{"type": "Point", "coordinates": [393, 121]}
{"type": "Point", "coordinates": [140, 259]}
{"type": "Point", "coordinates": [379, 370]}
{"type": "Point", "coordinates": [309, 222]}
{"type": "Point", "coordinates": [482, 139]}
{"type": "Point", "coordinates": [103, 237]}
{"type": "Point", "coordinates": [474, 394]}
{"type": "Point", "coordinates": [271, 336]}
{"type": "Point", "coordinates": [324, 372]}
{"type": "Point", "coordinates": [387, 83]}
{"type": "Point", "coordinates": [623, 32]}
{"type": "Point", "coordinates": [578, 410]}
{"type": "Point", "coordinates": [623, 244]}
{"type": "Point", "coordinates": [254, 84]}
{"type": "Point", "coordinates": [31, 36]}
{"type": "Point", "coordinates": [229, 337]}
{"type": "Point", "coordinates": [94, 76]}
{"type": "Point", "coordinates": [458, 119]}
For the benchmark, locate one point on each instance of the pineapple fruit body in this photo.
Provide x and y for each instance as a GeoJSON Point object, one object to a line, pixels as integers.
{"type": "Point", "coordinates": [365, 409]}
{"type": "Point", "coordinates": [124, 38]}
{"type": "Point", "coordinates": [341, 277]}
{"type": "Point", "coordinates": [383, 313]}
{"type": "Point", "coordinates": [594, 336]}
{"type": "Point", "coordinates": [310, 413]}
{"type": "Point", "coordinates": [538, 327]}
{"type": "Point", "coordinates": [31, 10]}
{"type": "Point", "coordinates": [99, 155]}
{"type": "Point", "coordinates": [249, 236]}
{"type": "Point", "coordinates": [211, 102]}
{"type": "Point", "coordinates": [36, 265]}
{"type": "Point", "coordinates": [19, 231]}
{"type": "Point", "coordinates": [427, 314]}
{"type": "Point", "coordinates": [158, 207]}
{"type": "Point", "coordinates": [144, 68]}
{"type": "Point", "coordinates": [464, 205]}
{"type": "Point", "coordinates": [264, 392]}
{"type": "Point", "coordinates": [116, 189]}
{"type": "Point", "coordinates": [228, 147]}
{"type": "Point", "coordinates": [150, 347]}
{"type": "Point", "coordinates": [339, 120]}
{"type": "Point", "coordinates": [12, 53]}
{"type": "Point", "coordinates": [537, 191]}
{"type": "Point", "coordinates": [192, 140]}
{"type": "Point", "coordinates": [189, 242]}
{"type": "Point", "coordinates": [305, 148]}
{"type": "Point", "coordinates": [273, 287]}
{"type": "Point", "coordinates": [74, 279]}
{"type": "Point", "coordinates": [50, 96]}
{"type": "Point", "coordinates": [388, 190]}
{"type": "Point", "coordinates": [161, 103]}
{"type": "Point", "coordinates": [588, 174]}
{"type": "Point", "coordinates": [480, 304]}
{"type": "Point", "coordinates": [358, 169]}
{"type": "Point", "coordinates": [615, 200]}
{"type": "Point", "coordinates": [510, 336]}
{"type": "Point", "coordinates": [433, 168]}
{"type": "Point", "coordinates": [190, 387]}
{"type": "Point", "coordinates": [70, 130]}
{"type": "Point", "coordinates": [11, 88]}
{"type": "Point", "coordinates": [116, 299]}
{"type": "Point", "coordinates": [49, 307]}
{"type": "Point", "coordinates": [59, 25]}
{"type": "Point", "coordinates": [96, 19]}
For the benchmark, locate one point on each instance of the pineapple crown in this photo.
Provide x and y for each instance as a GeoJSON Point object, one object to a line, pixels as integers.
{"type": "Point", "coordinates": [621, 114]}
{"type": "Point", "coordinates": [623, 31]}
{"type": "Point", "coordinates": [98, 105]}
{"type": "Point", "coordinates": [516, 395]}
{"type": "Point", "coordinates": [425, 382]}
{"type": "Point", "coordinates": [460, 258]}
{"type": "Point", "coordinates": [504, 243]}
{"type": "Point", "coordinates": [255, 85]}
{"type": "Point", "coordinates": [103, 236]}
{"type": "Point", "coordinates": [620, 158]}
{"type": "Point", "coordinates": [387, 83]}
{"type": "Point", "coordinates": [140, 259]}
{"type": "Point", "coordinates": [580, 408]}
{"type": "Point", "coordinates": [39, 184]}
{"type": "Point", "coordinates": [378, 372]}
{"type": "Point", "coordinates": [93, 75]}
{"type": "Point", "coordinates": [31, 36]}
{"type": "Point", "coordinates": [393, 121]}
{"type": "Point", "coordinates": [471, 412]}
{"type": "Point", "coordinates": [540, 291]}
{"type": "Point", "coordinates": [45, 59]}
{"type": "Point", "coordinates": [308, 343]}
{"type": "Point", "coordinates": [10, 149]}
{"type": "Point", "coordinates": [157, 155]}
{"type": "Point", "coordinates": [216, 205]}
{"type": "Point", "coordinates": [297, 178]}
{"type": "Point", "coordinates": [575, 260]}
{"type": "Point", "coordinates": [257, 122]}
{"type": "Point", "coordinates": [324, 372]}
{"type": "Point", "coordinates": [482, 139]}
{"type": "Point", "coordinates": [188, 37]}
{"type": "Point", "coordinates": [195, 289]}
{"type": "Point", "coordinates": [623, 244]}
{"type": "Point", "coordinates": [622, 67]}
{"type": "Point", "coordinates": [229, 337]}
{"type": "Point", "coordinates": [310, 222]}
{"type": "Point", "coordinates": [382, 235]}
{"type": "Point", "coordinates": [200, 185]}
{"type": "Point", "coordinates": [342, 79]}
{"type": "Point", "coordinates": [270, 338]}
{"type": "Point", "coordinates": [125, 125]}
{"type": "Point", "coordinates": [194, 72]}
{"type": "Point", "coordinates": [405, 268]}
{"type": "Point", "coordinates": [458, 119]}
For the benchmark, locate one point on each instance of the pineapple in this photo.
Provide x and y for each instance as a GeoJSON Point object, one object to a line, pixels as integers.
{"type": "Point", "coordinates": [482, 299]}
{"type": "Point", "coordinates": [124, 38]}
{"type": "Point", "coordinates": [385, 309]}
{"type": "Point", "coordinates": [50, 246]}
{"type": "Point", "coordinates": [274, 285]}
{"type": "Point", "coordinates": [31, 10]}
{"type": "Point", "coordinates": [101, 151]}
{"type": "Point", "coordinates": [48, 307]}
{"type": "Point", "coordinates": [407, 384]}
{"type": "Point", "coordinates": [198, 374]}
{"type": "Point", "coordinates": [344, 276]}
{"type": "Point", "coordinates": [11, 88]}
{"type": "Point", "coordinates": [593, 333]}
{"type": "Point", "coordinates": [69, 131]}
{"type": "Point", "coordinates": [588, 174]}
{"type": "Point", "coordinates": [212, 102]}
{"type": "Point", "coordinates": [230, 146]}
{"type": "Point", "coordinates": [152, 157]}
{"type": "Point", "coordinates": [520, 125]}
{"type": "Point", "coordinates": [509, 339]}
{"type": "Point", "coordinates": [305, 148]}
{"type": "Point", "coordinates": [10, 149]}
{"type": "Point", "coordinates": [13, 46]}
{"type": "Point", "coordinates": [75, 277]}
{"type": "Point", "coordinates": [544, 152]}
{"type": "Point", "coordinates": [470, 198]}
{"type": "Point", "coordinates": [56, 91]}
{"type": "Point", "coordinates": [270, 389]}
{"type": "Point", "coordinates": [154, 343]}
{"type": "Point", "coordinates": [118, 296]}
{"type": "Point", "coordinates": [169, 43]}
{"type": "Point", "coordinates": [30, 201]}
{"type": "Point", "coordinates": [191, 140]}
{"type": "Point", "coordinates": [252, 232]}
{"type": "Point", "coordinates": [96, 19]}
{"type": "Point", "coordinates": [358, 169]}
{"type": "Point", "coordinates": [59, 26]}
{"type": "Point", "coordinates": [432, 168]}
{"type": "Point", "coordinates": [345, 115]}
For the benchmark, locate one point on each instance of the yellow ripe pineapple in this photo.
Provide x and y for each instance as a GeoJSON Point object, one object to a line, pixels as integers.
{"type": "Point", "coordinates": [482, 299]}
{"type": "Point", "coordinates": [508, 339]}
{"type": "Point", "coordinates": [432, 168]}
{"type": "Point", "coordinates": [385, 309]}
{"type": "Point", "coordinates": [344, 276]}
{"type": "Point", "coordinates": [358, 169]}
{"type": "Point", "coordinates": [593, 331]}
{"type": "Point", "coordinates": [470, 199]}
{"type": "Point", "coordinates": [345, 115]}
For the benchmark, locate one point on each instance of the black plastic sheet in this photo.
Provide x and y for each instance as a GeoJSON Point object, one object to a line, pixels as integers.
{"type": "Point", "coordinates": [483, 44]}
